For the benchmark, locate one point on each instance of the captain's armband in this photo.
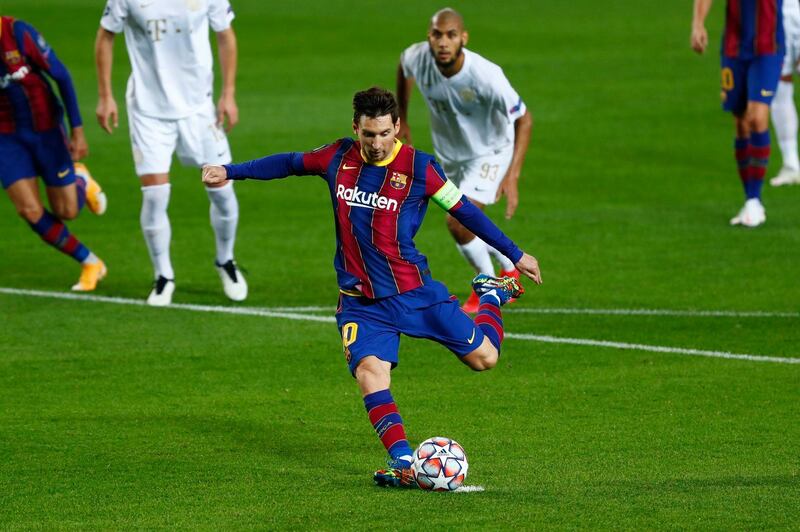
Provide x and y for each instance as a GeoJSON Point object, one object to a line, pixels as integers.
{"type": "Point", "coordinates": [447, 196]}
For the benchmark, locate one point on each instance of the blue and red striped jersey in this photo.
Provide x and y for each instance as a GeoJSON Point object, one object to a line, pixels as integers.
{"type": "Point", "coordinates": [378, 209]}
{"type": "Point", "coordinates": [27, 100]}
{"type": "Point", "coordinates": [752, 28]}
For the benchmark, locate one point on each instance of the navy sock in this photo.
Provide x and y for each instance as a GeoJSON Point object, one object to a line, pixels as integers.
{"type": "Point", "coordinates": [759, 159]}
{"type": "Point", "coordinates": [388, 424]}
{"type": "Point", "coordinates": [55, 233]}
{"type": "Point", "coordinates": [490, 319]}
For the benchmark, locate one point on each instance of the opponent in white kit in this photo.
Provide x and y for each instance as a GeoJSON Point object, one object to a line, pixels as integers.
{"type": "Point", "coordinates": [479, 124]}
{"type": "Point", "coordinates": [783, 110]}
{"type": "Point", "coordinates": [170, 108]}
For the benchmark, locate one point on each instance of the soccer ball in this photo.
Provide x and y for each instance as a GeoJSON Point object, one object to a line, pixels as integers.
{"type": "Point", "coordinates": [440, 464]}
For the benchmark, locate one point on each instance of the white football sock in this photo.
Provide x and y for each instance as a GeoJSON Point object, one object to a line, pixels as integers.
{"type": "Point", "coordinates": [224, 214]}
{"type": "Point", "coordinates": [505, 264]}
{"type": "Point", "coordinates": [156, 228]}
{"type": "Point", "coordinates": [784, 116]}
{"type": "Point", "coordinates": [477, 254]}
{"type": "Point", "coordinates": [91, 258]}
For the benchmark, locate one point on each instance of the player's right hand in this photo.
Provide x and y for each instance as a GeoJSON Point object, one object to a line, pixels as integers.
{"type": "Point", "coordinates": [529, 266]}
{"type": "Point", "coordinates": [699, 39]}
{"type": "Point", "coordinates": [107, 114]}
{"type": "Point", "coordinates": [214, 175]}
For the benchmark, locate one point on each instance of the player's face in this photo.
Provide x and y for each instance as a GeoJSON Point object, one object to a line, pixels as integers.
{"type": "Point", "coordinates": [376, 136]}
{"type": "Point", "coordinates": [446, 38]}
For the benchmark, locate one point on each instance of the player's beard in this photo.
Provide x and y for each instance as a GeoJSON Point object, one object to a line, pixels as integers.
{"type": "Point", "coordinates": [452, 61]}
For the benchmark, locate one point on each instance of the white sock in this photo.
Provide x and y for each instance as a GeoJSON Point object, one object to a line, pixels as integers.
{"type": "Point", "coordinates": [91, 258]}
{"type": "Point", "coordinates": [224, 214]}
{"type": "Point", "coordinates": [505, 264]}
{"type": "Point", "coordinates": [477, 254]}
{"type": "Point", "coordinates": [156, 228]}
{"type": "Point", "coordinates": [784, 117]}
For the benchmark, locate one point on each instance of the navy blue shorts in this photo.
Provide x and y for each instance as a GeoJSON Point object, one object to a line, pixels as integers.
{"type": "Point", "coordinates": [373, 326]}
{"type": "Point", "coordinates": [30, 154]}
{"type": "Point", "coordinates": [754, 79]}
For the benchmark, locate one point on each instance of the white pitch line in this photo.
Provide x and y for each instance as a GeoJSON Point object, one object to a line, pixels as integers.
{"type": "Point", "coordinates": [606, 312]}
{"type": "Point", "coordinates": [269, 313]}
{"type": "Point", "coordinates": [655, 312]}
{"type": "Point", "coordinates": [244, 311]}
{"type": "Point", "coordinates": [652, 348]}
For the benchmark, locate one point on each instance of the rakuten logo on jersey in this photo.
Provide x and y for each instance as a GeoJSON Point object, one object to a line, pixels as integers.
{"type": "Point", "coordinates": [372, 200]}
{"type": "Point", "coordinates": [19, 75]}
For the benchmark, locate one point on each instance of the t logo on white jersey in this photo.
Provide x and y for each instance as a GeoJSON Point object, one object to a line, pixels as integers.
{"type": "Point", "coordinates": [156, 27]}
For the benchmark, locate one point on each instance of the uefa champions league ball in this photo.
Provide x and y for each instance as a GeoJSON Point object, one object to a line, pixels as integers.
{"type": "Point", "coordinates": [440, 464]}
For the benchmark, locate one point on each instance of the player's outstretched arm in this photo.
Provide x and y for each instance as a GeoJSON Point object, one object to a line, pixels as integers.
{"type": "Point", "coordinates": [449, 198]}
{"type": "Point", "coordinates": [107, 113]}
{"type": "Point", "coordinates": [404, 87]}
{"type": "Point", "coordinates": [699, 39]}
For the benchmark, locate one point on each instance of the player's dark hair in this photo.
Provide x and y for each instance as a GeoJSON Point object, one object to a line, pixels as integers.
{"type": "Point", "coordinates": [374, 102]}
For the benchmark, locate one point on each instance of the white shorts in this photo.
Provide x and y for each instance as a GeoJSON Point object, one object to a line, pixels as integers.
{"type": "Point", "coordinates": [792, 57]}
{"type": "Point", "coordinates": [479, 178]}
{"type": "Point", "coordinates": [196, 139]}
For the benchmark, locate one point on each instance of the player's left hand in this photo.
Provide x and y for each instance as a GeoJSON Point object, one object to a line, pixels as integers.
{"type": "Point", "coordinates": [214, 175]}
{"type": "Point", "coordinates": [226, 107]}
{"type": "Point", "coordinates": [529, 267]}
{"type": "Point", "coordinates": [509, 189]}
{"type": "Point", "coordinates": [78, 147]}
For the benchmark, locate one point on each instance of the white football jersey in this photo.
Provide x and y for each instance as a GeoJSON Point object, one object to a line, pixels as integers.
{"type": "Point", "coordinates": [791, 18]}
{"type": "Point", "coordinates": [168, 45]}
{"type": "Point", "coordinates": [472, 112]}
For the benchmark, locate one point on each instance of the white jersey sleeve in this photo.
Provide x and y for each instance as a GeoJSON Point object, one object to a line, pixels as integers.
{"type": "Point", "coordinates": [504, 95]}
{"type": "Point", "coordinates": [114, 15]}
{"type": "Point", "coordinates": [411, 58]}
{"type": "Point", "coordinates": [220, 15]}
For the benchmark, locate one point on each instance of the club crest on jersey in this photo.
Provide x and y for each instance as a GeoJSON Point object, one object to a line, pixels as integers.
{"type": "Point", "coordinates": [13, 57]}
{"type": "Point", "coordinates": [398, 180]}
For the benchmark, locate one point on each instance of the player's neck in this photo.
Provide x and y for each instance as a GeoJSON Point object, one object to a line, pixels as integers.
{"type": "Point", "coordinates": [454, 68]}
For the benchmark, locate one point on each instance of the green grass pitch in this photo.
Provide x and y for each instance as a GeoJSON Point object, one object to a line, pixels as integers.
{"type": "Point", "coordinates": [120, 416]}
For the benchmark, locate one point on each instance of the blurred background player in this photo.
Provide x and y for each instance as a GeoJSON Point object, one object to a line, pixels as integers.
{"type": "Point", "coordinates": [751, 58]}
{"type": "Point", "coordinates": [380, 190]}
{"type": "Point", "coordinates": [479, 125]}
{"type": "Point", "coordinates": [170, 108]}
{"type": "Point", "coordinates": [783, 110]}
{"type": "Point", "coordinates": [33, 143]}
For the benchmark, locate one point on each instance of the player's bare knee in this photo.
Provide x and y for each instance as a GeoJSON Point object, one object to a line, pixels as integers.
{"type": "Point", "coordinates": [30, 211]}
{"type": "Point", "coordinates": [373, 374]}
{"type": "Point", "coordinates": [482, 359]}
{"type": "Point", "coordinates": [66, 211]}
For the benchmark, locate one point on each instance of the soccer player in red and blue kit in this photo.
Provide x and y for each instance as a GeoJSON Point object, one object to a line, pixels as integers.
{"type": "Point", "coordinates": [33, 143]}
{"type": "Point", "coordinates": [752, 56]}
{"type": "Point", "coordinates": [380, 190]}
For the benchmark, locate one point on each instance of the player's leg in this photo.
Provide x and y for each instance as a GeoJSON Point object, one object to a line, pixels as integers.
{"type": "Point", "coordinates": [762, 79]}
{"type": "Point", "coordinates": [784, 116]}
{"type": "Point", "coordinates": [494, 293]}
{"type": "Point", "coordinates": [153, 142]}
{"type": "Point", "coordinates": [70, 186]}
{"type": "Point", "coordinates": [370, 342]}
{"type": "Point", "coordinates": [201, 142]}
{"type": "Point", "coordinates": [24, 194]}
{"type": "Point", "coordinates": [23, 156]}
